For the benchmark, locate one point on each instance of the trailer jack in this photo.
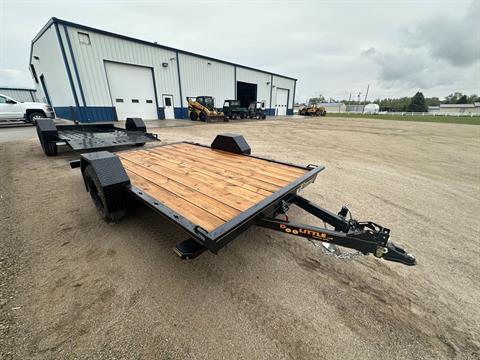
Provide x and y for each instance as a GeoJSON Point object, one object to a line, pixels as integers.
{"type": "Point", "coordinates": [365, 237]}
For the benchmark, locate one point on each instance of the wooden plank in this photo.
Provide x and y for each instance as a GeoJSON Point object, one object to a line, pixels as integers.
{"type": "Point", "coordinates": [214, 190]}
{"type": "Point", "coordinates": [283, 172]}
{"type": "Point", "coordinates": [192, 174]}
{"type": "Point", "coordinates": [241, 163]}
{"type": "Point", "coordinates": [191, 212]}
{"type": "Point", "coordinates": [211, 171]}
{"type": "Point", "coordinates": [291, 169]}
{"type": "Point", "coordinates": [204, 202]}
{"type": "Point", "coordinates": [209, 155]}
{"type": "Point", "coordinates": [228, 168]}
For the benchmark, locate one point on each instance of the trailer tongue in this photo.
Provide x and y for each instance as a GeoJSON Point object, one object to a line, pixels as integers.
{"type": "Point", "coordinates": [215, 193]}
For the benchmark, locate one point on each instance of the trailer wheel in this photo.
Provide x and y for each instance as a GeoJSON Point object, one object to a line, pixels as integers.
{"type": "Point", "coordinates": [96, 192]}
{"type": "Point", "coordinates": [264, 116]}
{"type": "Point", "coordinates": [50, 149]}
{"type": "Point", "coordinates": [193, 116]}
{"type": "Point", "coordinates": [47, 134]}
{"type": "Point", "coordinates": [242, 116]}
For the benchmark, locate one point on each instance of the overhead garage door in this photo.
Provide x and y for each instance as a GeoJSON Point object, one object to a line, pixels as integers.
{"type": "Point", "coordinates": [132, 90]}
{"type": "Point", "coordinates": [282, 102]}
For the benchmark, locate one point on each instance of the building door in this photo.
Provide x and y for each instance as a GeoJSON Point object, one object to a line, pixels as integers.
{"type": "Point", "coordinates": [168, 106]}
{"type": "Point", "coordinates": [132, 90]}
{"type": "Point", "coordinates": [282, 102]}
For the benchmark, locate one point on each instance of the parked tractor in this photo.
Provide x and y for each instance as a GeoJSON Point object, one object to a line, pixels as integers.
{"type": "Point", "coordinates": [203, 108]}
{"type": "Point", "coordinates": [312, 111]}
{"type": "Point", "coordinates": [232, 109]}
{"type": "Point", "coordinates": [256, 109]}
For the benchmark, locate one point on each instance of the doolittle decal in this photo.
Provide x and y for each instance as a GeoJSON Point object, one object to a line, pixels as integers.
{"type": "Point", "coordinates": [306, 233]}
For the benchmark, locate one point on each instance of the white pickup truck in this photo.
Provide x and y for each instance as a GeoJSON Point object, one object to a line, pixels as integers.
{"type": "Point", "coordinates": [11, 109]}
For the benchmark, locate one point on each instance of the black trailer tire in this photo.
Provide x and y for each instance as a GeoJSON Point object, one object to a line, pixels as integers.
{"type": "Point", "coordinates": [50, 149]}
{"type": "Point", "coordinates": [264, 116]}
{"type": "Point", "coordinates": [47, 135]}
{"type": "Point", "coordinates": [96, 192]}
{"type": "Point", "coordinates": [33, 116]}
{"type": "Point", "coordinates": [203, 116]}
{"type": "Point", "coordinates": [242, 116]}
{"type": "Point", "coordinates": [193, 116]}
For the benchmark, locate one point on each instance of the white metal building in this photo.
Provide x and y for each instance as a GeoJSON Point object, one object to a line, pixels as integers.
{"type": "Point", "coordinates": [20, 94]}
{"type": "Point", "coordinates": [93, 75]}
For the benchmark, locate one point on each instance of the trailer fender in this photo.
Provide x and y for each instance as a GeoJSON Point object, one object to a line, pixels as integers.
{"type": "Point", "coordinates": [234, 143]}
{"type": "Point", "coordinates": [48, 136]}
{"type": "Point", "coordinates": [135, 124]}
{"type": "Point", "coordinates": [106, 181]}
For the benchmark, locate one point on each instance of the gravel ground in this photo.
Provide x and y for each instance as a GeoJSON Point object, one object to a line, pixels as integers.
{"type": "Point", "coordinates": [73, 286]}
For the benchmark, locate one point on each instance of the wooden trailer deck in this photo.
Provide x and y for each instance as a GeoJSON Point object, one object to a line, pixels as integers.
{"type": "Point", "coordinates": [206, 186]}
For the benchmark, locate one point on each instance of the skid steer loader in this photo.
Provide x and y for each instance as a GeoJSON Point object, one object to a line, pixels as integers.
{"type": "Point", "coordinates": [203, 108]}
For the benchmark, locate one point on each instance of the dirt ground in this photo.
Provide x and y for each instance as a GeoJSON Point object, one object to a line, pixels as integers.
{"type": "Point", "coordinates": [74, 286]}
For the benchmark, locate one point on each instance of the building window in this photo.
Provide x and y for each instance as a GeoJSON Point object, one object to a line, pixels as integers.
{"type": "Point", "coordinates": [149, 102]}
{"type": "Point", "coordinates": [84, 38]}
{"type": "Point", "coordinates": [135, 101]}
{"type": "Point", "coordinates": [168, 101]}
{"type": "Point", "coordinates": [119, 100]}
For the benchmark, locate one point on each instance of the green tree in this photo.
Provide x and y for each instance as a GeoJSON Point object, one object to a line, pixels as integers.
{"type": "Point", "coordinates": [452, 98]}
{"type": "Point", "coordinates": [316, 100]}
{"type": "Point", "coordinates": [462, 100]}
{"type": "Point", "coordinates": [473, 98]}
{"type": "Point", "coordinates": [417, 104]}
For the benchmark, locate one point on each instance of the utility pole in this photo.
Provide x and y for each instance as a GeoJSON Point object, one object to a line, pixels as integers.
{"type": "Point", "coordinates": [349, 98]}
{"type": "Point", "coordinates": [366, 94]}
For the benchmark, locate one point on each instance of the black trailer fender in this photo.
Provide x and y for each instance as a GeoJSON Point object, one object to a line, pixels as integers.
{"type": "Point", "coordinates": [234, 143]}
{"type": "Point", "coordinates": [48, 136]}
{"type": "Point", "coordinates": [135, 124]}
{"type": "Point", "coordinates": [106, 181]}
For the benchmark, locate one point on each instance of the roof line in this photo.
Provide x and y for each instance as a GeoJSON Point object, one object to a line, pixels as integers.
{"type": "Point", "coordinates": [15, 88]}
{"type": "Point", "coordinates": [144, 42]}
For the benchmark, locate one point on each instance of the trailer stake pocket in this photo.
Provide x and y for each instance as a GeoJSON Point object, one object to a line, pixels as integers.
{"type": "Point", "coordinates": [215, 193]}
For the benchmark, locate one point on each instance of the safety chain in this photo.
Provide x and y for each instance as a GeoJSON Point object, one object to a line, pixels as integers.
{"type": "Point", "coordinates": [340, 255]}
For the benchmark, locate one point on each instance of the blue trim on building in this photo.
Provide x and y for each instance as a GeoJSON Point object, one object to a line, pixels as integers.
{"type": "Point", "coordinates": [270, 112]}
{"type": "Point", "coordinates": [45, 90]}
{"type": "Point", "coordinates": [74, 65]}
{"type": "Point", "coordinates": [293, 100]}
{"type": "Point", "coordinates": [180, 113]}
{"type": "Point", "coordinates": [235, 81]}
{"type": "Point", "coordinates": [69, 74]}
{"type": "Point", "coordinates": [289, 111]}
{"type": "Point", "coordinates": [155, 93]}
{"type": "Point", "coordinates": [271, 90]}
{"type": "Point", "coordinates": [87, 114]}
{"type": "Point", "coordinates": [161, 112]}
{"type": "Point", "coordinates": [123, 37]}
{"type": "Point", "coordinates": [179, 83]}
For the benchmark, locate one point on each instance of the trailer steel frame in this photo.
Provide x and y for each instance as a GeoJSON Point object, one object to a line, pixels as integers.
{"type": "Point", "coordinates": [366, 237]}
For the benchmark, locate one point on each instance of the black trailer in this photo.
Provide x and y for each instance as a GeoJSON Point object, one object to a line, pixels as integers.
{"type": "Point", "coordinates": [215, 193]}
{"type": "Point", "coordinates": [91, 136]}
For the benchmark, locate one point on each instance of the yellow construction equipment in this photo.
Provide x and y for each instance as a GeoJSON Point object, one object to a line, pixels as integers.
{"type": "Point", "coordinates": [203, 108]}
{"type": "Point", "coordinates": [312, 111]}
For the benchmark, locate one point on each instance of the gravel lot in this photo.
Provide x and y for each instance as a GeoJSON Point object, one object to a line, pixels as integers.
{"type": "Point", "coordinates": [73, 286]}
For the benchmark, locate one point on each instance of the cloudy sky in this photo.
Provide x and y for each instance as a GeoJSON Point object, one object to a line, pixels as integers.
{"type": "Point", "coordinates": [333, 47]}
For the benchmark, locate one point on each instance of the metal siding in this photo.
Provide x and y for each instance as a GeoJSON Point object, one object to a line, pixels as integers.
{"type": "Point", "coordinates": [90, 58]}
{"type": "Point", "coordinates": [52, 66]}
{"type": "Point", "coordinates": [22, 95]}
{"type": "Point", "coordinates": [284, 83]}
{"type": "Point", "coordinates": [199, 78]}
{"type": "Point", "coordinates": [259, 78]}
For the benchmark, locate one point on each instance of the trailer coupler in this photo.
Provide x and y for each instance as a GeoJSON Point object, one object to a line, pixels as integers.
{"type": "Point", "coordinates": [365, 237]}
